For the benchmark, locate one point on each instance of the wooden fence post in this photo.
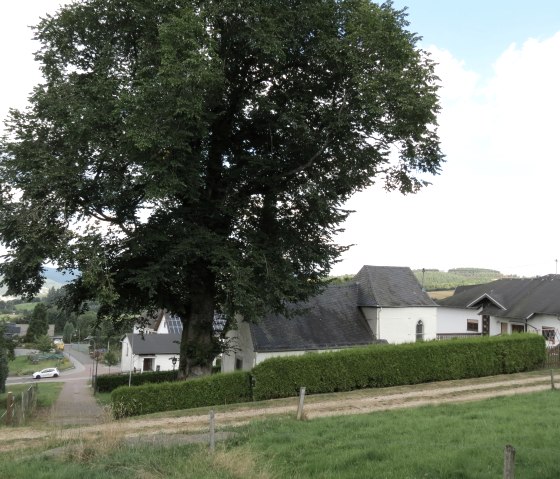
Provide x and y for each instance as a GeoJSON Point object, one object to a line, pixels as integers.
{"type": "Point", "coordinates": [509, 462]}
{"type": "Point", "coordinates": [10, 409]}
{"type": "Point", "coordinates": [300, 405]}
{"type": "Point", "coordinates": [23, 405]}
{"type": "Point", "coordinates": [212, 431]}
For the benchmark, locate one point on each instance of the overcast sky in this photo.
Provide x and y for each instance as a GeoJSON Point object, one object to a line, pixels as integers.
{"type": "Point", "coordinates": [495, 203]}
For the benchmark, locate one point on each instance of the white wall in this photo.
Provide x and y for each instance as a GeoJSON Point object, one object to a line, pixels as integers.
{"type": "Point", "coordinates": [242, 344]}
{"type": "Point", "coordinates": [454, 320]}
{"type": "Point", "coordinates": [398, 325]}
{"type": "Point", "coordinates": [129, 361]}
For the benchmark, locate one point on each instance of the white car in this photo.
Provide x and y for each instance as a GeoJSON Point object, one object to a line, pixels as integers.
{"type": "Point", "coordinates": [46, 373]}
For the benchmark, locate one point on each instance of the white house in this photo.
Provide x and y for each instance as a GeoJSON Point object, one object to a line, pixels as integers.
{"type": "Point", "coordinates": [505, 306]}
{"type": "Point", "coordinates": [150, 352]}
{"type": "Point", "coordinates": [380, 304]}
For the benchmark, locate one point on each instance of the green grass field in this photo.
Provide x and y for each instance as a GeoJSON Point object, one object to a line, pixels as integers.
{"type": "Point", "coordinates": [454, 441]}
{"type": "Point", "coordinates": [26, 306]}
{"type": "Point", "coordinates": [21, 366]}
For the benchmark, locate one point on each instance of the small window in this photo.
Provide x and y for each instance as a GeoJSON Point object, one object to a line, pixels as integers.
{"type": "Point", "coordinates": [420, 331]}
{"type": "Point", "coordinates": [238, 364]}
{"type": "Point", "coordinates": [517, 328]}
{"type": "Point", "coordinates": [548, 333]}
{"type": "Point", "coordinates": [472, 325]}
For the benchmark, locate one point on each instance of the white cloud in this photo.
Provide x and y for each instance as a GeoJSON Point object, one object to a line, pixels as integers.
{"type": "Point", "coordinates": [494, 204]}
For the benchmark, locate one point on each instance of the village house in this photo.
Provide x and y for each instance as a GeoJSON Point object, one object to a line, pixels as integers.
{"type": "Point", "coordinates": [505, 306]}
{"type": "Point", "coordinates": [380, 304]}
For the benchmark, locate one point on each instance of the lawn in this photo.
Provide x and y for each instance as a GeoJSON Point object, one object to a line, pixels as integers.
{"type": "Point", "coordinates": [453, 441]}
{"type": "Point", "coordinates": [26, 306]}
{"type": "Point", "coordinates": [21, 366]}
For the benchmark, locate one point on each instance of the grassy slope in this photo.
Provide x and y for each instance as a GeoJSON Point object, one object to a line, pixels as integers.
{"type": "Point", "coordinates": [452, 441]}
{"type": "Point", "coordinates": [438, 280]}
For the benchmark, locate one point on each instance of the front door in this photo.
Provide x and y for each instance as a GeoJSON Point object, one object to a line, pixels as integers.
{"type": "Point", "coordinates": [485, 325]}
{"type": "Point", "coordinates": [504, 328]}
{"type": "Point", "coordinates": [148, 364]}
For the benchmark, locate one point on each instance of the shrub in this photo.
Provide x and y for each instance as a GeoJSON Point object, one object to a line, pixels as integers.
{"type": "Point", "coordinates": [109, 382]}
{"type": "Point", "coordinates": [393, 365]}
{"type": "Point", "coordinates": [207, 391]}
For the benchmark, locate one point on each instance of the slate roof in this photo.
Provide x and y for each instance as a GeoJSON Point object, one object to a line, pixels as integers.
{"type": "Point", "coordinates": [154, 343]}
{"type": "Point", "coordinates": [390, 287]}
{"type": "Point", "coordinates": [330, 320]}
{"type": "Point", "coordinates": [515, 298]}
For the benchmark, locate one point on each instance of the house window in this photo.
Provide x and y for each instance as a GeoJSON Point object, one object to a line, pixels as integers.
{"type": "Point", "coordinates": [472, 325]}
{"type": "Point", "coordinates": [517, 328]}
{"type": "Point", "coordinates": [420, 331]}
{"type": "Point", "coordinates": [548, 333]}
{"type": "Point", "coordinates": [238, 364]}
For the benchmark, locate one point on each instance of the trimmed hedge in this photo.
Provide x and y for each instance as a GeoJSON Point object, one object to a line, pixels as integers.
{"type": "Point", "coordinates": [109, 382]}
{"type": "Point", "coordinates": [356, 368]}
{"type": "Point", "coordinates": [394, 365]}
{"type": "Point", "coordinates": [207, 391]}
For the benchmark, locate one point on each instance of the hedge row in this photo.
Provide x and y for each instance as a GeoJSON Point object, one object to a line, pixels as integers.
{"type": "Point", "coordinates": [394, 365]}
{"type": "Point", "coordinates": [108, 382]}
{"type": "Point", "coordinates": [374, 366]}
{"type": "Point", "coordinates": [208, 391]}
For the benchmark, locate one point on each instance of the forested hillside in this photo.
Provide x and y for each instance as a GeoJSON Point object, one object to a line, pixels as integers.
{"type": "Point", "coordinates": [433, 279]}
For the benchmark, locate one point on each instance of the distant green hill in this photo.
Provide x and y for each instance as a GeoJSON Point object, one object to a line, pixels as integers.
{"type": "Point", "coordinates": [434, 279]}
{"type": "Point", "coordinates": [54, 279]}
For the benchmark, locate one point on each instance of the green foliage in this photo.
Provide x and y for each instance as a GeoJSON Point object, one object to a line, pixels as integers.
{"type": "Point", "coordinates": [68, 333]}
{"type": "Point", "coordinates": [38, 325]}
{"type": "Point", "coordinates": [44, 343]}
{"type": "Point", "coordinates": [393, 365]}
{"type": "Point", "coordinates": [207, 148]}
{"type": "Point", "coordinates": [109, 382]}
{"type": "Point", "coordinates": [111, 358]}
{"type": "Point", "coordinates": [356, 368]}
{"type": "Point", "coordinates": [207, 391]}
{"type": "Point", "coordinates": [4, 352]}
{"type": "Point", "coordinates": [438, 280]}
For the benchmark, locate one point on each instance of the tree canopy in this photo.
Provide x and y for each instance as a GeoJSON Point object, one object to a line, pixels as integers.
{"type": "Point", "coordinates": [196, 155]}
{"type": "Point", "coordinates": [38, 324]}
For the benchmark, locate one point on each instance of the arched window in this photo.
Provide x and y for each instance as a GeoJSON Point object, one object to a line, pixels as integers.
{"type": "Point", "coordinates": [420, 331]}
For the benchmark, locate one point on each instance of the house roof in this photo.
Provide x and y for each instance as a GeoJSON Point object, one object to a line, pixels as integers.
{"type": "Point", "coordinates": [516, 298]}
{"type": "Point", "coordinates": [330, 320]}
{"type": "Point", "coordinates": [154, 343]}
{"type": "Point", "coordinates": [390, 287]}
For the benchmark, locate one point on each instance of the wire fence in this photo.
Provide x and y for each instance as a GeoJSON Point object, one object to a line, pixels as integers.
{"type": "Point", "coordinates": [552, 357]}
{"type": "Point", "coordinates": [20, 407]}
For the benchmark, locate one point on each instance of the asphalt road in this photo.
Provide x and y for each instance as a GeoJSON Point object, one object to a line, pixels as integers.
{"type": "Point", "coordinates": [83, 367]}
{"type": "Point", "coordinates": [76, 404]}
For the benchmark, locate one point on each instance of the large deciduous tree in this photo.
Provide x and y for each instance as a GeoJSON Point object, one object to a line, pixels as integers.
{"type": "Point", "coordinates": [195, 155]}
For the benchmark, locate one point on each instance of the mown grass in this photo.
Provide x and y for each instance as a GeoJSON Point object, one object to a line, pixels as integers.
{"type": "Point", "coordinates": [453, 441]}
{"type": "Point", "coordinates": [21, 366]}
{"type": "Point", "coordinates": [26, 306]}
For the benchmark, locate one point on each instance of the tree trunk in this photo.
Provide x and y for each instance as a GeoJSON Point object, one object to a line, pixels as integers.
{"type": "Point", "coordinates": [198, 345]}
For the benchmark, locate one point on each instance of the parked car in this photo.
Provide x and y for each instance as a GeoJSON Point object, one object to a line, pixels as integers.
{"type": "Point", "coordinates": [46, 373]}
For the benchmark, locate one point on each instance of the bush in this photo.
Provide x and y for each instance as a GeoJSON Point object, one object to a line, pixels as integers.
{"type": "Point", "coordinates": [109, 382]}
{"type": "Point", "coordinates": [207, 391]}
{"type": "Point", "coordinates": [393, 365]}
